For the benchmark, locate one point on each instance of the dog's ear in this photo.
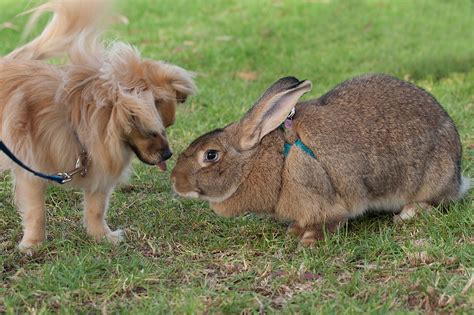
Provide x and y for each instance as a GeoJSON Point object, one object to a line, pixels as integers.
{"type": "Point", "coordinates": [182, 82]}
{"type": "Point", "coordinates": [161, 75]}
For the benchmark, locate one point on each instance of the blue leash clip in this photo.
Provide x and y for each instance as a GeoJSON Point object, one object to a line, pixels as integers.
{"type": "Point", "coordinates": [60, 178]}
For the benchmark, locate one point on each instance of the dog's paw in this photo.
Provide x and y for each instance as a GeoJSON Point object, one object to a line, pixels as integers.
{"type": "Point", "coordinates": [28, 248]}
{"type": "Point", "coordinates": [115, 237]}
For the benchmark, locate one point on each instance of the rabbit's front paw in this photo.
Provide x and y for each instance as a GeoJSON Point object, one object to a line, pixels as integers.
{"type": "Point", "coordinates": [310, 237]}
{"type": "Point", "coordinates": [294, 229]}
{"type": "Point", "coordinates": [317, 232]}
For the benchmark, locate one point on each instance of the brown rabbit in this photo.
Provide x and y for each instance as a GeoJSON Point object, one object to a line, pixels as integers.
{"type": "Point", "coordinates": [372, 142]}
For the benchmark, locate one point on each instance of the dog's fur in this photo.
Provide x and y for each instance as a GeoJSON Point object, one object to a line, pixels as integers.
{"type": "Point", "coordinates": [106, 100]}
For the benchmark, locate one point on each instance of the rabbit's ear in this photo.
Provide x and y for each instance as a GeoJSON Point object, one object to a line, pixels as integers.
{"type": "Point", "coordinates": [271, 110]}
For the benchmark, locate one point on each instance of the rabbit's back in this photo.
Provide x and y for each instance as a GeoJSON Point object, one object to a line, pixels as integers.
{"type": "Point", "coordinates": [383, 142]}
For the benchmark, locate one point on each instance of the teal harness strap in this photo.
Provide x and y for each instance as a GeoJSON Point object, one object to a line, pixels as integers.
{"type": "Point", "coordinates": [306, 149]}
{"type": "Point", "coordinates": [286, 148]}
{"type": "Point", "coordinates": [301, 145]}
{"type": "Point", "coordinates": [288, 124]}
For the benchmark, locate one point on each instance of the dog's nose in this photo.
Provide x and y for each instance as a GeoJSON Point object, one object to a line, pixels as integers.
{"type": "Point", "coordinates": [166, 154]}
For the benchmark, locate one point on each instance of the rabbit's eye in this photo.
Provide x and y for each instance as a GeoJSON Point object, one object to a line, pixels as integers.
{"type": "Point", "coordinates": [211, 156]}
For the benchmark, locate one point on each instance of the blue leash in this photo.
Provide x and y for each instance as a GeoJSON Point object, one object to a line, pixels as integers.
{"type": "Point", "coordinates": [61, 178]}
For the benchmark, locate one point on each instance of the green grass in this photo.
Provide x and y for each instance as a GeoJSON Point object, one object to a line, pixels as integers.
{"type": "Point", "coordinates": [179, 257]}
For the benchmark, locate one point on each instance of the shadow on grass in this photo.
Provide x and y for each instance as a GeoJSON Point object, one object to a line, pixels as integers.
{"type": "Point", "coordinates": [439, 67]}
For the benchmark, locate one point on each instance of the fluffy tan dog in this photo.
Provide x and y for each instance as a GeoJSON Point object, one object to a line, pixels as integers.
{"type": "Point", "coordinates": [106, 103]}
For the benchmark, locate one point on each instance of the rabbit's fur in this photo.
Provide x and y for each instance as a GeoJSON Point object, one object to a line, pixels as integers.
{"type": "Point", "coordinates": [380, 143]}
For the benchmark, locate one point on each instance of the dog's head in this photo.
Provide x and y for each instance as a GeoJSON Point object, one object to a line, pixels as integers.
{"type": "Point", "coordinates": [150, 104]}
{"type": "Point", "coordinates": [139, 99]}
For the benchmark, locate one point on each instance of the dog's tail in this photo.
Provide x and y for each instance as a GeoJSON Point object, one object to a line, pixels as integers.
{"type": "Point", "coordinates": [72, 19]}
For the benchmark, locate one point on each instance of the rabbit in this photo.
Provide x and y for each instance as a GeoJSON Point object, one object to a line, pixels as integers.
{"type": "Point", "coordinates": [372, 142]}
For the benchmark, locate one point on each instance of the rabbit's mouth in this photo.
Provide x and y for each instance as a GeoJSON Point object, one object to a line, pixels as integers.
{"type": "Point", "coordinates": [189, 194]}
{"type": "Point", "coordinates": [194, 192]}
{"type": "Point", "coordinates": [219, 198]}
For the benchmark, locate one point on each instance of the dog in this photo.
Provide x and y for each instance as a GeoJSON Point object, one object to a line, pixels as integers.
{"type": "Point", "coordinates": [104, 104]}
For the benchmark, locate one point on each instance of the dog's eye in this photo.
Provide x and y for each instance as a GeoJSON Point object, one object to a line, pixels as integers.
{"type": "Point", "coordinates": [211, 156]}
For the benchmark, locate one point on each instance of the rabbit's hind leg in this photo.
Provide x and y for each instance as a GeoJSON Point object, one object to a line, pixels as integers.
{"type": "Point", "coordinates": [409, 211]}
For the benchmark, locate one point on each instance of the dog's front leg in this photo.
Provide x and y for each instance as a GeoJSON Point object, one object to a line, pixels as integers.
{"type": "Point", "coordinates": [95, 207]}
{"type": "Point", "coordinates": [29, 199]}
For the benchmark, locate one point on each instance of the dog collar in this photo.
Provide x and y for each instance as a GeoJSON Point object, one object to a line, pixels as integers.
{"type": "Point", "coordinates": [288, 125]}
{"type": "Point", "coordinates": [81, 166]}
